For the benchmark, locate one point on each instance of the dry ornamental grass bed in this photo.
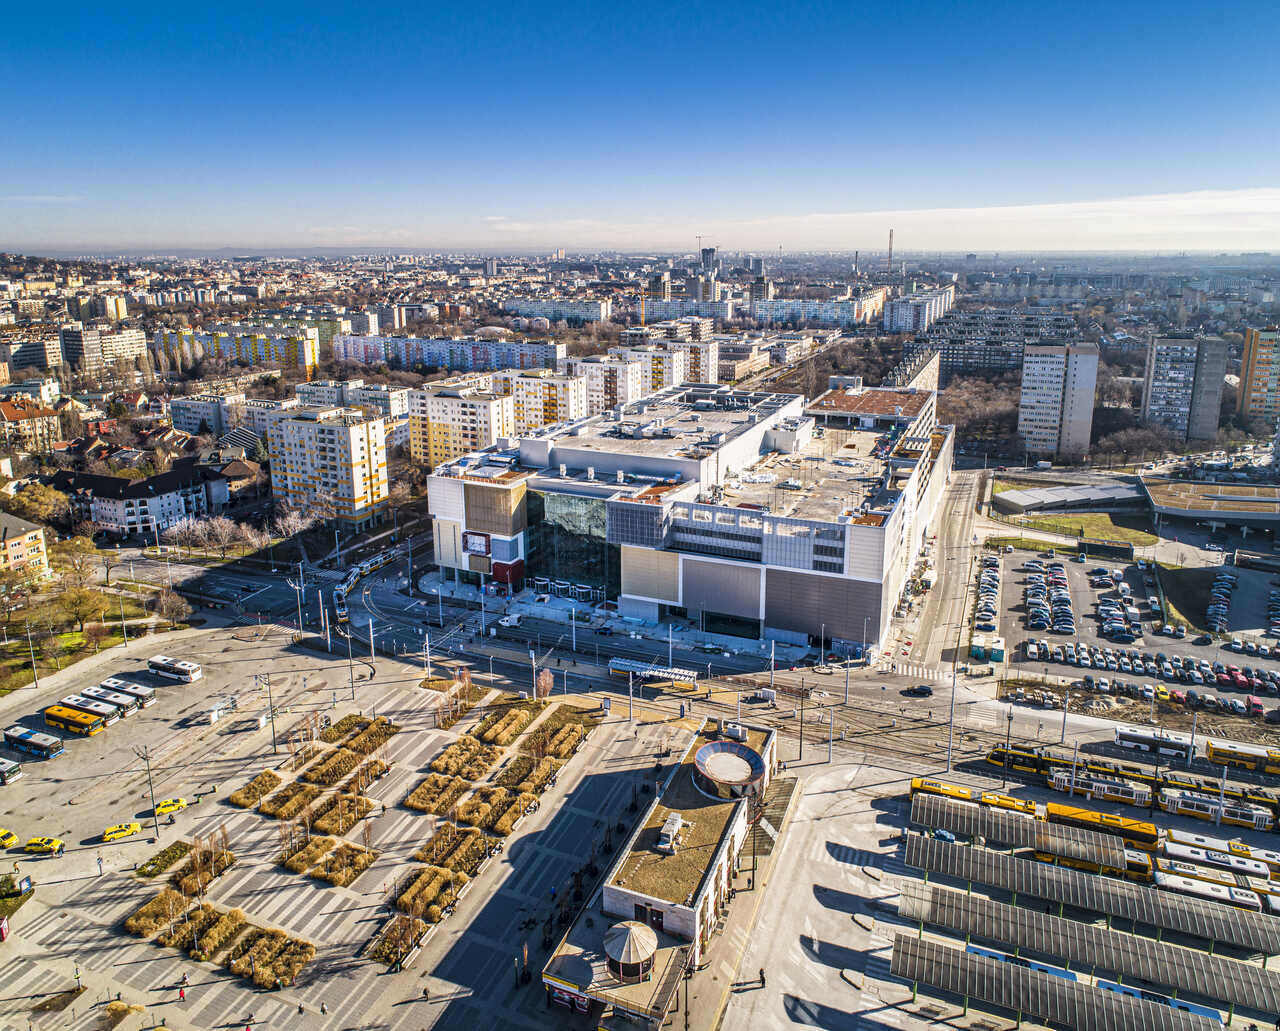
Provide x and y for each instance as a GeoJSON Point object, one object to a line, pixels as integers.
{"type": "Point", "coordinates": [374, 736]}
{"type": "Point", "coordinates": [331, 768]}
{"type": "Point", "coordinates": [199, 871]}
{"type": "Point", "coordinates": [528, 776]}
{"type": "Point", "coordinates": [218, 936]}
{"type": "Point", "coordinates": [301, 859]}
{"type": "Point", "coordinates": [187, 932]}
{"type": "Point", "coordinates": [495, 809]}
{"type": "Point", "coordinates": [501, 728]}
{"type": "Point", "coordinates": [268, 957]}
{"type": "Point", "coordinates": [289, 801]}
{"type": "Point", "coordinates": [342, 813]}
{"type": "Point", "coordinates": [261, 785]}
{"type": "Point", "coordinates": [397, 937]}
{"type": "Point", "coordinates": [467, 758]}
{"type": "Point", "coordinates": [461, 849]}
{"type": "Point", "coordinates": [150, 916]}
{"type": "Point", "coordinates": [368, 771]}
{"type": "Point", "coordinates": [430, 892]}
{"type": "Point", "coordinates": [344, 864]}
{"type": "Point", "coordinates": [437, 794]}
{"type": "Point", "coordinates": [349, 724]}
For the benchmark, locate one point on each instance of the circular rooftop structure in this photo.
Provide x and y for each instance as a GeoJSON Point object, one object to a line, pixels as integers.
{"type": "Point", "coordinates": [629, 947]}
{"type": "Point", "coordinates": [727, 769]}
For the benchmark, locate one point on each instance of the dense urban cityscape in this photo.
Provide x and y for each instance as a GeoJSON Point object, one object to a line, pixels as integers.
{"type": "Point", "coordinates": [464, 565]}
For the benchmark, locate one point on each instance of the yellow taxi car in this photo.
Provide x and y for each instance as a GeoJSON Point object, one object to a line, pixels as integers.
{"type": "Point", "coordinates": [7, 838]}
{"type": "Point", "coordinates": [171, 805]}
{"type": "Point", "coordinates": [50, 846]}
{"type": "Point", "coordinates": [121, 830]}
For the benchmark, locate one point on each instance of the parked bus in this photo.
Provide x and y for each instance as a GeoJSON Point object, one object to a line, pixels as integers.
{"type": "Point", "coordinates": [1240, 898]}
{"type": "Point", "coordinates": [32, 742]}
{"type": "Point", "coordinates": [145, 695]}
{"type": "Point", "coordinates": [74, 721]}
{"type": "Point", "coordinates": [1138, 833]}
{"type": "Point", "coordinates": [9, 771]}
{"type": "Point", "coordinates": [1246, 757]}
{"type": "Point", "coordinates": [1270, 858]}
{"type": "Point", "coordinates": [109, 713]}
{"type": "Point", "coordinates": [1163, 1000]}
{"type": "Point", "coordinates": [175, 669]}
{"type": "Point", "coordinates": [1162, 742]}
{"type": "Point", "coordinates": [127, 704]}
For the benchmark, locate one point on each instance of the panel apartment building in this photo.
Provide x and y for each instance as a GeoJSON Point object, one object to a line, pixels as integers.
{"type": "Point", "coordinates": [559, 309]}
{"type": "Point", "coordinates": [611, 381]}
{"type": "Point", "coordinates": [90, 349]}
{"type": "Point", "coordinates": [329, 461]}
{"type": "Point", "coordinates": [706, 503]}
{"type": "Point", "coordinates": [460, 354]}
{"type": "Point", "coordinates": [541, 397]}
{"type": "Point", "coordinates": [853, 311]}
{"type": "Point", "coordinates": [916, 312]}
{"type": "Point", "coordinates": [1055, 410]}
{"type": "Point", "coordinates": [453, 418]}
{"type": "Point", "coordinates": [1182, 390]}
{"type": "Point", "coordinates": [245, 345]}
{"type": "Point", "coordinates": [981, 342]}
{"type": "Point", "coordinates": [662, 366]}
{"type": "Point", "coordinates": [1260, 376]}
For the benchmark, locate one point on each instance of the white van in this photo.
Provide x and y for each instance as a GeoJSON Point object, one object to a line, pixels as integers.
{"type": "Point", "coordinates": [509, 621]}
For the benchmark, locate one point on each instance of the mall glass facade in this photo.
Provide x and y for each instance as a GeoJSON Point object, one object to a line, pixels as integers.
{"type": "Point", "coordinates": [566, 540]}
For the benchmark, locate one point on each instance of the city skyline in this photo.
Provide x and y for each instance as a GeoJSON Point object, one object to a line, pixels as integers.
{"type": "Point", "coordinates": [996, 128]}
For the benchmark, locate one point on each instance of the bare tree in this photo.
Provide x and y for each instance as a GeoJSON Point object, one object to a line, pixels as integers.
{"type": "Point", "coordinates": [221, 533]}
{"type": "Point", "coordinates": [110, 559]}
{"type": "Point", "coordinates": [172, 607]}
{"type": "Point", "coordinates": [95, 634]}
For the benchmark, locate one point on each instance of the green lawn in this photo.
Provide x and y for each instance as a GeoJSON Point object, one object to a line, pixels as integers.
{"type": "Point", "coordinates": [1133, 530]}
{"type": "Point", "coordinates": [1000, 486]}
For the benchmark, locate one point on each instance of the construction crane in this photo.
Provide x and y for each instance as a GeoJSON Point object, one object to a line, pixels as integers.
{"type": "Point", "coordinates": [889, 263]}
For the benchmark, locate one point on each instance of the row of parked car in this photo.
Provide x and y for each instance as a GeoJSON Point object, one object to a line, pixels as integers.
{"type": "Point", "coordinates": [1218, 614]}
{"type": "Point", "coordinates": [1185, 669]}
{"type": "Point", "coordinates": [1192, 699]}
{"type": "Point", "coordinates": [986, 614]}
{"type": "Point", "coordinates": [1048, 598]}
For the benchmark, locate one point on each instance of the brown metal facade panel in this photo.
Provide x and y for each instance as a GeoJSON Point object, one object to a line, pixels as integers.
{"type": "Point", "coordinates": [803, 602]}
{"type": "Point", "coordinates": [495, 509]}
{"type": "Point", "coordinates": [479, 563]}
{"type": "Point", "coordinates": [651, 574]}
{"type": "Point", "coordinates": [721, 587]}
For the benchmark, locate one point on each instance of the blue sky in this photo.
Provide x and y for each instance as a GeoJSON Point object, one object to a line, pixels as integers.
{"type": "Point", "coordinates": [591, 125]}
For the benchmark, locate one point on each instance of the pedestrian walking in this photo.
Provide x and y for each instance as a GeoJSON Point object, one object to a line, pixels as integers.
{"type": "Point", "coordinates": [324, 1008]}
{"type": "Point", "coordinates": [182, 995]}
{"type": "Point", "coordinates": [762, 977]}
{"type": "Point", "coordinates": [426, 992]}
{"type": "Point", "coordinates": [299, 1007]}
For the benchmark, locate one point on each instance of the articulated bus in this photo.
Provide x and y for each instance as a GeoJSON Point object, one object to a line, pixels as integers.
{"type": "Point", "coordinates": [1245, 865]}
{"type": "Point", "coordinates": [109, 713]}
{"type": "Point", "coordinates": [1137, 833]}
{"type": "Point", "coordinates": [1162, 742]}
{"type": "Point", "coordinates": [1021, 961]}
{"type": "Point", "coordinates": [73, 721]}
{"type": "Point", "coordinates": [1137, 865]}
{"type": "Point", "coordinates": [1270, 858]}
{"type": "Point", "coordinates": [145, 695]}
{"type": "Point", "coordinates": [174, 669]}
{"type": "Point", "coordinates": [1240, 898]}
{"type": "Point", "coordinates": [1268, 891]}
{"type": "Point", "coordinates": [127, 704]}
{"type": "Point", "coordinates": [1245, 757]}
{"type": "Point", "coordinates": [32, 742]}
{"type": "Point", "coordinates": [992, 799]}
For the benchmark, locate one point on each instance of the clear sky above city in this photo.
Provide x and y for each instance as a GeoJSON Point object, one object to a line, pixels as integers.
{"type": "Point", "coordinates": [506, 127]}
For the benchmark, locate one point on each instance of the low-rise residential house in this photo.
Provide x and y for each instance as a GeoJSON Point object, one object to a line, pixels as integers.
{"type": "Point", "coordinates": [147, 506]}
{"type": "Point", "coordinates": [22, 547]}
{"type": "Point", "coordinates": [29, 426]}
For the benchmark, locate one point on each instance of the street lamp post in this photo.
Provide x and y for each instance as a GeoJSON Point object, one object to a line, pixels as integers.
{"type": "Point", "coordinates": [1008, 733]}
{"type": "Point", "coordinates": [265, 680]}
{"type": "Point", "coordinates": [426, 655]}
{"type": "Point", "coordinates": [573, 627]}
{"type": "Point", "coordinates": [1066, 704]}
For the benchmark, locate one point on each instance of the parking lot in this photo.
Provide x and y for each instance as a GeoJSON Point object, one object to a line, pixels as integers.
{"type": "Point", "coordinates": [1260, 670]}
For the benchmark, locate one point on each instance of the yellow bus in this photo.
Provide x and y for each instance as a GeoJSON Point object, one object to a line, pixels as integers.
{"type": "Point", "coordinates": [1246, 757]}
{"type": "Point", "coordinates": [995, 800]}
{"type": "Point", "coordinates": [73, 720]}
{"type": "Point", "coordinates": [1136, 833]}
{"type": "Point", "coordinates": [1137, 865]}
{"type": "Point", "coordinates": [928, 786]}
